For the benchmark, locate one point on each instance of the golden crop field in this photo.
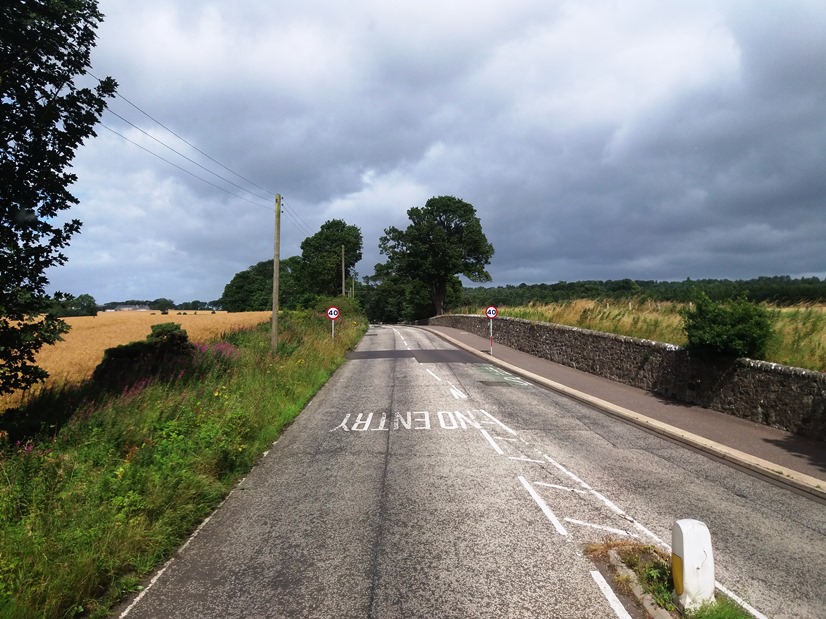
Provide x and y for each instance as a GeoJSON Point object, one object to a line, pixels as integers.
{"type": "Point", "coordinates": [75, 358]}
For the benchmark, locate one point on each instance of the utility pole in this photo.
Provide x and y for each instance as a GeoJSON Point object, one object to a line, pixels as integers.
{"type": "Point", "coordinates": [276, 271]}
{"type": "Point", "coordinates": [343, 285]}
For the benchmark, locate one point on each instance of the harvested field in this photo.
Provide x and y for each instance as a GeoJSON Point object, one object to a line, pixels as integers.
{"type": "Point", "coordinates": [75, 358]}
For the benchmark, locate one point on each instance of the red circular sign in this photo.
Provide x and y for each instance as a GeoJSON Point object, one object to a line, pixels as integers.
{"type": "Point", "coordinates": [333, 313]}
{"type": "Point", "coordinates": [491, 312]}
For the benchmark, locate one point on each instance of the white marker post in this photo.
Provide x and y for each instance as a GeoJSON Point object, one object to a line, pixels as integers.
{"type": "Point", "coordinates": [692, 563]}
{"type": "Point", "coordinates": [491, 312]}
{"type": "Point", "coordinates": [333, 314]}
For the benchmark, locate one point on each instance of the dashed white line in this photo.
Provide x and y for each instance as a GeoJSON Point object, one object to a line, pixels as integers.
{"type": "Point", "coordinates": [609, 594]}
{"type": "Point", "coordinates": [543, 506]}
{"type": "Point", "coordinates": [429, 371]}
{"type": "Point", "coordinates": [523, 459]}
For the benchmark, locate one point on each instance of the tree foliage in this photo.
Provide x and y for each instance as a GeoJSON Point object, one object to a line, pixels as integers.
{"type": "Point", "coordinates": [717, 330]}
{"type": "Point", "coordinates": [320, 270]}
{"type": "Point", "coordinates": [444, 239]}
{"type": "Point", "coordinates": [782, 290]}
{"type": "Point", "coordinates": [44, 116]}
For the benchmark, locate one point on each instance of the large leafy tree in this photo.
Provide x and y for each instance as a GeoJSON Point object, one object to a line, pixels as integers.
{"type": "Point", "coordinates": [251, 290]}
{"type": "Point", "coordinates": [321, 257]}
{"type": "Point", "coordinates": [444, 239]}
{"type": "Point", "coordinates": [44, 117]}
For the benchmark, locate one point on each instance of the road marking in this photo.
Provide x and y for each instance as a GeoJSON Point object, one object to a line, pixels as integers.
{"type": "Point", "coordinates": [429, 371]}
{"type": "Point", "coordinates": [343, 424]}
{"type": "Point", "coordinates": [524, 459]}
{"type": "Point", "coordinates": [600, 527]}
{"type": "Point", "coordinates": [609, 594]}
{"type": "Point", "coordinates": [543, 506]}
{"type": "Point", "coordinates": [496, 421]}
{"type": "Point", "coordinates": [609, 504]}
{"type": "Point", "coordinates": [577, 490]}
{"type": "Point", "coordinates": [491, 441]}
{"type": "Point", "coordinates": [457, 393]}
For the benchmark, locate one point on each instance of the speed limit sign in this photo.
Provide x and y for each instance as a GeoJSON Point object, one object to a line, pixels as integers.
{"type": "Point", "coordinates": [333, 313]}
{"type": "Point", "coordinates": [491, 312]}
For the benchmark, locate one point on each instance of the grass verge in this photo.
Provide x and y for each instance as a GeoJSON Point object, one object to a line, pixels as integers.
{"type": "Point", "coordinates": [652, 568]}
{"type": "Point", "coordinates": [98, 501]}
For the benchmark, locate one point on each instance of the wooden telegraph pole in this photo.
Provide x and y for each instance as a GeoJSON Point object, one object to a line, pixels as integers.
{"type": "Point", "coordinates": [276, 269]}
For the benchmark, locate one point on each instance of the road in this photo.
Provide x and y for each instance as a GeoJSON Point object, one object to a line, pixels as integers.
{"type": "Point", "coordinates": [425, 482]}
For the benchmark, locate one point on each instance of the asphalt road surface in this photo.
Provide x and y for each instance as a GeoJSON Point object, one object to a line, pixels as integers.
{"type": "Point", "coordinates": [424, 482]}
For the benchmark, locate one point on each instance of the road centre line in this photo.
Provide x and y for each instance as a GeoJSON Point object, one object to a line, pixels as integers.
{"type": "Point", "coordinates": [609, 594]}
{"type": "Point", "coordinates": [543, 506]}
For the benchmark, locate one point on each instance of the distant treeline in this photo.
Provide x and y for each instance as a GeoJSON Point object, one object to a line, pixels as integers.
{"type": "Point", "coordinates": [780, 290]}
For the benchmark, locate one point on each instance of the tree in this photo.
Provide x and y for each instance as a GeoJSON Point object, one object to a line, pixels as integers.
{"type": "Point", "coordinates": [82, 305]}
{"type": "Point", "coordinates": [250, 290]}
{"type": "Point", "coordinates": [717, 330]}
{"type": "Point", "coordinates": [321, 257]}
{"type": "Point", "coordinates": [162, 304]}
{"type": "Point", "coordinates": [44, 118]}
{"type": "Point", "coordinates": [444, 239]}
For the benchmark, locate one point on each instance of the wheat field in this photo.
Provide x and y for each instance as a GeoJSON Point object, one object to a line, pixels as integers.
{"type": "Point", "coordinates": [75, 358]}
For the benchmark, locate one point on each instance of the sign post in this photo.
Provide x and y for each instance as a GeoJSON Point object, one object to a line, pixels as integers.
{"type": "Point", "coordinates": [491, 312]}
{"type": "Point", "coordinates": [333, 314]}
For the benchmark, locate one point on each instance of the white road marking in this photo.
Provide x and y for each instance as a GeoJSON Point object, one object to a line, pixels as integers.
{"type": "Point", "coordinates": [755, 613]}
{"type": "Point", "coordinates": [429, 371]}
{"type": "Point", "coordinates": [524, 459]}
{"type": "Point", "coordinates": [543, 506]}
{"type": "Point", "coordinates": [609, 594]}
{"type": "Point", "coordinates": [610, 505]}
{"type": "Point", "coordinates": [492, 442]}
{"type": "Point", "coordinates": [600, 527]}
{"type": "Point", "coordinates": [577, 490]}
{"type": "Point", "coordinates": [496, 421]}
{"type": "Point", "coordinates": [457, 393]}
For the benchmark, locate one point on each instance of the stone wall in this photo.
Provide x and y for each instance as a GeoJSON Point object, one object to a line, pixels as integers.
{"type": "Point", "coordinates": [784, 397]}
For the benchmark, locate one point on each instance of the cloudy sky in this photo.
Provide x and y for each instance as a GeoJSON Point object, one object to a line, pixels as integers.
{"type": "Point", "coordinates": [597, 139]}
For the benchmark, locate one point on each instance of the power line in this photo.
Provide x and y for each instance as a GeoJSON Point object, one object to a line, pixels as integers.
{"type": "Point", "coordinates": [185, 170]}
{"type": "Point", "coordinates": [182, 139]}
{"type": "Point", "coordinates": [292, 213]}
{"type": "Point", "coordinates": [149, 135]}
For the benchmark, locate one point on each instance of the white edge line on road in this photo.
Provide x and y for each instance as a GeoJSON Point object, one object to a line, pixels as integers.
{"type": "Point", "coordinates": [609, 594]}
{"type": "Point", "coordinates": [543, 506]}
{"type": "Point", "coordinates": [429, 371]}
{"type": "Point", "coordinates": [756, 613]}
{"type": "Point", "coordinates": [491, 441]}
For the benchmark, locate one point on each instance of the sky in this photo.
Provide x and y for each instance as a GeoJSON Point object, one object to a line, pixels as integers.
{"type": "Point", "coordinates": [597, 139]}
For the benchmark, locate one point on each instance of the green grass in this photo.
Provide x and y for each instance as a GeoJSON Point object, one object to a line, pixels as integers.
{"type": "Point", "coordinates": [652, 568]}
{"type": "Point", "coordinates": [722, 608]}
{"type": "Point", "coordinates": [89, 508]}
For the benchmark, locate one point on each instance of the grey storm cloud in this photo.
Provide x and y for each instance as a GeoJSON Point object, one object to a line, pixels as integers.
{"type": "Point", "coordinates": [596, 139]}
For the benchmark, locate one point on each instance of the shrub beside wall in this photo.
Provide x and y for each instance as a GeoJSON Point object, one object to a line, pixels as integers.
{"type": "Point", "coordinates": [783, 397]}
